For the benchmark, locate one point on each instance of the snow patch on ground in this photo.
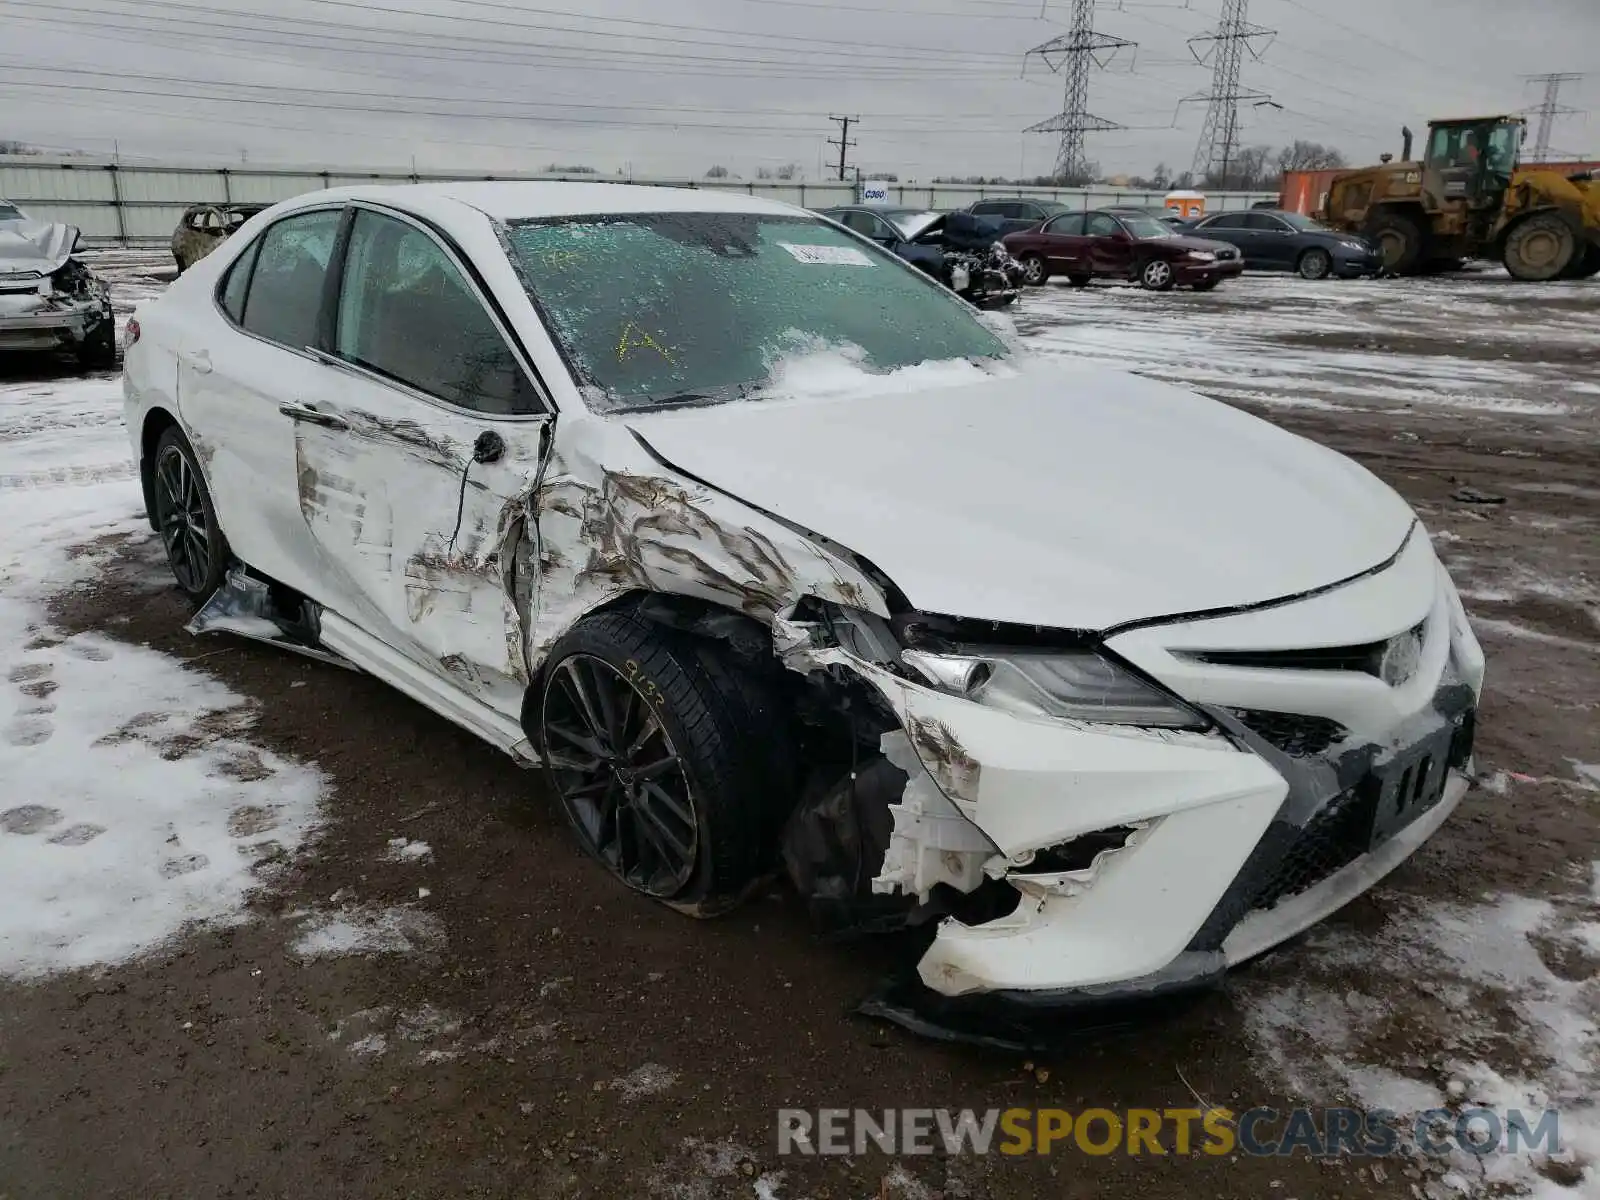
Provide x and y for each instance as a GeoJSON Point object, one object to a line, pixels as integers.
{"type": "Point", "coordinates": [650, 1079]}
{"type": "Point", "coordinates": [1488, 1005]}
{"type": "Point", "coordinates": [136, 807]}
{"type": "Point", "coordinates": [401, 850]}
{"type": "Point", "coordinates": [353, 930]}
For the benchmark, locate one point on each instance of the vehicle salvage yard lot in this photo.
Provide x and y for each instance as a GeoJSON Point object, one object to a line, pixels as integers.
{"type": "Point", "coordinates": [268, 928]}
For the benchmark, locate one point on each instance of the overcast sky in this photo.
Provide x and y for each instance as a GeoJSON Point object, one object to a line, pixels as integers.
{"type": "Point", "coordinates": [674, 88]}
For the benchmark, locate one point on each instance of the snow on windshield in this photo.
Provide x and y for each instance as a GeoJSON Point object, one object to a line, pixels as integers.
{"type": "Point", "coordinates": [657, 309]}
{"type": "Point", "coordinates": [813, 369]}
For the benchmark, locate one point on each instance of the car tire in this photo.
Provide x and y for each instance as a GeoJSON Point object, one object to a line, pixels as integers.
{"type": "Point", "coordinates": [1034, 271]}
{"type": "Point", "coordinates": [1157, 275]}
{"type": "Point", "coordinates": [1080, 281]}
{"type": "Point", "coordinates": [184, 516]}
{"type": "Point", "coordinates": [1315, 264]}
{"type": "Point", "coordinates": [98, 352]}
{"type": "Point", "coordinates": [1400, 240]}
{"type": "Point", "coordinates": [708, 732]}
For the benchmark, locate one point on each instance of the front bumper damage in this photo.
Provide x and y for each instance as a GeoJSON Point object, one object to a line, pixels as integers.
{"type": "Point", "coordinates": [45, 319]}
{"type": "Point", "coordinates": [1147, 862]}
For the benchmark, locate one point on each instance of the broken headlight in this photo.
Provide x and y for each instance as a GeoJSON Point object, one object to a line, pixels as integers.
{"type": "Point", "coordinates": [1077, 685]}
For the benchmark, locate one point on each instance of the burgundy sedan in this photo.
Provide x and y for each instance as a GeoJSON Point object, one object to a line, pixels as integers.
{"type": "Point", "coordinates": [1121, 245]}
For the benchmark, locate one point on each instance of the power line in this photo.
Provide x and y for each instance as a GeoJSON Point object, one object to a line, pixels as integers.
{"type": "Point", "coordinates": [1224, 50]}
{"type": "Point", "coordinates": [1078, 51]}
{"type": "Point", "coordinates": [482, 50]}
{"type": "Point", "coordinates": [1550, 109]}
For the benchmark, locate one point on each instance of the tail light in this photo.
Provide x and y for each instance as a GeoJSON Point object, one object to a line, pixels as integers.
{"type": "Point", "coordinates": [133, 332]}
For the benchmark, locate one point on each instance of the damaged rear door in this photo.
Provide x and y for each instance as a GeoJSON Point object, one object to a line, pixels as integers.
{"type": "Point", "coordinates": [415, 468]}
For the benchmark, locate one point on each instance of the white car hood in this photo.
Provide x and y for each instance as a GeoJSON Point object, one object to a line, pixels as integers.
{"type": "Point", "coordinates": [1061, 497]}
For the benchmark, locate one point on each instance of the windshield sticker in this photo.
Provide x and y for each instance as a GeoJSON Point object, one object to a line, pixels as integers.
{"type": "Point", "coordinates": [830, 256]}
{"type": "Point", "coordinates": [633, 338]}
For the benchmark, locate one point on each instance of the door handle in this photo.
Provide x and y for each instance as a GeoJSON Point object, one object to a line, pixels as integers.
{"type": "Point", "coordinates": [304, 412]}
{"type": "Point", "coordinates": [198, 361]}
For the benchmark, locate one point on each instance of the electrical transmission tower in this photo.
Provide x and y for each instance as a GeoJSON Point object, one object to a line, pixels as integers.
{"type": "Point", "coordinates": [1550, 110]}
{"type": "Point", "coordinates": [1223, 49]}
{"type": "Point", "coordinates": [1078, 51]}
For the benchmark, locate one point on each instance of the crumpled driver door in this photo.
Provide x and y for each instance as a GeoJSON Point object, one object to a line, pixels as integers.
{"type": "Point", "coordinates": [418, 539]}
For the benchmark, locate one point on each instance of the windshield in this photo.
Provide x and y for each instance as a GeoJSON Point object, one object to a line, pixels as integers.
{"type": "Point", "coordinates": [910, 224]}
{"type": "Point", "coordinates": [1144, 226]}
{"type": "Point", "coordinates": [1504, 141]}
{"type": "Point", "coordinates": [1303, 224]}
{"type": "Point", "coordinates": [656, 309]}
{"type": "Point", "coordinates": [10, 212]}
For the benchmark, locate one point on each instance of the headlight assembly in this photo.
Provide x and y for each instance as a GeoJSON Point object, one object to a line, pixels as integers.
{"type": "Point", "coordinates": [1077, 685]}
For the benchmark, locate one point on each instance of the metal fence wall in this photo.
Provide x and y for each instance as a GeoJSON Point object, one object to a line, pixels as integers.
{"type": "Point", "coordinates": [141, 203]}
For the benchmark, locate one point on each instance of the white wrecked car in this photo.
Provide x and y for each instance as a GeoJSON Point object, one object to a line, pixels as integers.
{"type": "Point", "coordinates": [774, 551]}
{"type": "Point", "coordinates": [48, 298]}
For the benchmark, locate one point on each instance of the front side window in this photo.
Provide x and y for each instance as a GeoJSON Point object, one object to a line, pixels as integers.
{"type": "Point", "coordinates": [1232, 221]}
{"type": "Point", "coordinates": [1265, 224]}
{"type": "Point", "coordinates": [406, 312]}
{"type": "Point", "coordinates": [654, 309]}
{"type": "Point", "coordinates": [285, 295]}
{"type": "Point", "coordinates": [864, 223]}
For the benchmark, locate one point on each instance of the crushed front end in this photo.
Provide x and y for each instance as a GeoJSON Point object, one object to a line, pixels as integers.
{"type": "Point", "coordinates": [49, 299]}
{"type": "Point", "coordinates": [1158, 802]}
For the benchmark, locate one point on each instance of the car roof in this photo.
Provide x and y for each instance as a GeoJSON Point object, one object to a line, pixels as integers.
{"type": "Point", "coordinates": [509, 201]}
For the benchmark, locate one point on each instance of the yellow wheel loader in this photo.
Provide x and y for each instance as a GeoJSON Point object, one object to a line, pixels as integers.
{"type": "Point", "coordinates": [1469, 197]}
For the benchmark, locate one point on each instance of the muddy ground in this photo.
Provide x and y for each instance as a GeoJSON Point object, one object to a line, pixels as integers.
{"type": "Point", "coordinates": [537, 1031]}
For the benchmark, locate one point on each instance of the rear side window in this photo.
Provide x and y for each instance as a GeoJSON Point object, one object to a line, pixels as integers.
{"type": "Point", "coordinates": [233, 287]}
{"type": "Point", "coordinates": [1070, 225]}
{"type": "Point", "coordinates": [285, 293]}
{"type": "Point", "coordinates": [989, 208]}
{"type": "Point", "coordinates": [1234, 221]}
{"type": "Point", "coordinates": [406, 312]}
{"type": "Point", "coordinates": [1102, 225]}
{"type": "Point", "coordinates": [1264, 223]}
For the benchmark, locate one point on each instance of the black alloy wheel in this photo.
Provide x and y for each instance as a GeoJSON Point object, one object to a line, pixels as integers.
{"type": "Point", "coordinates": [186, 520]}
{"type": "Point", "coordinates": [620, 778]}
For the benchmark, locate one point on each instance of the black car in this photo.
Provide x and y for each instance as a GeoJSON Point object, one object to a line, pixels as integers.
{"type": "Point", "coordinates": [912, 233]}
{"type": "Point", "coordinates": [1016, 214]}
{"type": "Point", "coordinates": [1275, 240]}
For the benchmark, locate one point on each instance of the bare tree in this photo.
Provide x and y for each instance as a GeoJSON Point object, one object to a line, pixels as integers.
{"type": "Point", "coordinates": [1251, 169]}
{"type": "Point", "coordinates": [717, 172]}
{"type": "Point", "coordinates": [1309, 156]}
{"type": "Point", "coordinates": [788, 171]}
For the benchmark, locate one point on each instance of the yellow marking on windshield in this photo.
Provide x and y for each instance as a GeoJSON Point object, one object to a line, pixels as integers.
{"type": "Point", "coordinates": [640, 340]}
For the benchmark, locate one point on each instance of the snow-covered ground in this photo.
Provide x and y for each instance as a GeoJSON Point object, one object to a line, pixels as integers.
{"type": "Point", "coordinates": [135, 803]}
{"type": "Point", "coordinates": [1453, 343]}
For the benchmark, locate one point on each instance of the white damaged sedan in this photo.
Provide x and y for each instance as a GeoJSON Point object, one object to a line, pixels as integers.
{"type": "Point", "coordinates": [775, 553]}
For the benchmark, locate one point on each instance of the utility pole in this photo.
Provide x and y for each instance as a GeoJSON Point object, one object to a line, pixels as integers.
{"type": "Point", "coordinates": [1549, 110]}
{"type": "Point", "coordinates": [843, 141]}
{"type": "Point", "coordinates": [1223, 50]}
{"type": "Point", "coordinates": [1078, 51]}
